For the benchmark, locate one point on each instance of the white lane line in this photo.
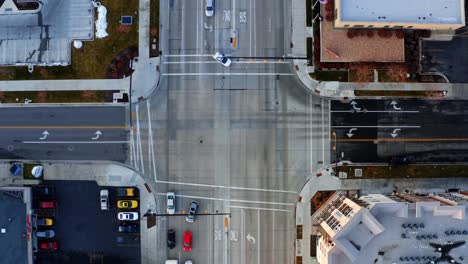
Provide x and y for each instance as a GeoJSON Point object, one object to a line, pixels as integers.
{"type": "Point", "coordinates": [132, 161]}
{"type": "Point", "coordinates": [153, 158]}
{"type": "Point", "coordinates": [242, 235]}
{"type": "Point", "coordinates": [233, 62]}
{"type": "Point", "coordinates": [78, 142]}
{"type": "Point", "coordinates": [139, 140]}
{"type": "Point", "coordinates": [198, 24]}
{"type": "Point", "coordinates": [376, 126]}
{"type": "Point", "coordinates": [188, 55]}
{"type": "Point", "coordinates": [229, 200]}
{"type": "Point", "coordinates": [258, 236]}
{"type": "Point", "coordinates": [260, 208]}
{"type": "Point", "coordinates": [273, 242]}
{"type": "Point", "coordinates": [376, 111]}
{"type": "Point", "coordinates": [227, 73]}
{"type": "Point", "coordinates": [134, 149]}
{"type": "Point", "coordinates": [255, 29]}
{"type": "Point", "coordinates": [250, 26]}
{"type": "Point", "coordinates": [227, 187]}
{"type": "Point", "coordinates": [311, 133]}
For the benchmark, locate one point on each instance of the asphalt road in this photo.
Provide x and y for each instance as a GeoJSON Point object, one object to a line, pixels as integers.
{"type": "Point", "coordinates": [422, 130]}
{"type": "Point", "coordinates": [241, 139]}
{"type": "Point", "coordinates": [63, 133]}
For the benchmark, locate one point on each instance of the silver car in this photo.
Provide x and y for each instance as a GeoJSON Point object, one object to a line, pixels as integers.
{"type": "Point", "coordinates": [46, 233]}
{"type": "Point", "coordinates": [190, 218]}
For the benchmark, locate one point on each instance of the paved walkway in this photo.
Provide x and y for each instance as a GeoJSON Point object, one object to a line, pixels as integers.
{"type": "Point", "coordinates": [105, 174]}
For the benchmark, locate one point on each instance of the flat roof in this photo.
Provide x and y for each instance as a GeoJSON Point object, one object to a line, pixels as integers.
{"type": "Point", "coordinates": [14, 242]}
{"type": "Point", "coordinates": [44, 37]}
{"type": "Point", "coordinates": [403, 11]}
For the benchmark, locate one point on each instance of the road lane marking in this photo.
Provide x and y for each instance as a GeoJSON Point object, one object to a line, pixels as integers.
{"type": "Point", "coordinates": [63, 127]}
{"type": "Point", "coordinates": [370, 111]}
{"type": "Point", "coordinates": [77, 142]}
{"type": "Point", "coordinates": [273, 242]}
{"type": "Point", "coordinates": [230, 200]}
{"type": "Point", "coordinates": [139, 147]}
{"type": "Point", "coordinates": [260, 208]}
{"type": "Point", "coordinates": [227, 187]}
{"type": "Point", "coordinates": [188, 55]}
{"type": "Point", "coordinates": [258, 236]}
{"type": "Point", "coordinates": [151, 143]}
{"type": "Point", "coordinates": [233, 62]}
{"type": "Point", "coordinates": [242, 235]}
{"type": "Point", "coordinates": [198, 23]}
{"type": "Point", "coordinates": [376, 126]}
{"type": "Point", "coordinates": [228, 73]}
{"type": "Point", "coordinates": [400, 139]}
{"type": "Point", "coordinates": [132, 150]}
{"type": "Point", "coordinates": [311, 108]}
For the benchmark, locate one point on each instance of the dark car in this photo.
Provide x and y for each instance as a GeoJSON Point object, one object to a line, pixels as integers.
{"type": "Point", "coordinates": [171, 238]}
{"type": "Point", "coordinates": [397, 160]}
{"type": "Point", "coordinates": [128, 228]}
{"type": "Point", "coordinates": [190, 218]}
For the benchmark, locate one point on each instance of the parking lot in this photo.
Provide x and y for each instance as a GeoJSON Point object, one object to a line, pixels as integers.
{"type": "Point", "coordinates": [447, 57]}
{"type": "Point", "coordinates": [84, 232]}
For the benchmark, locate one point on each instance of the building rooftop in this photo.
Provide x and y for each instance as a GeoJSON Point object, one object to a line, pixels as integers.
{"type": "Point", "coordinates": [403, 11]}
{"type": "Point", "coordinates": [358, 49]}
{"type": "Point", "coordinates": [43, 36]}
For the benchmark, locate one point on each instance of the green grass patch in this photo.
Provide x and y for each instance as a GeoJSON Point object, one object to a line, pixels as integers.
{"type": "Point", "coordinates": [406, 171]}
{"type": "Point", "coordinates": [339, 76]}
{"type": "Point", "coordinates": [398, 93]}
{"type": "Point", "coordinates": [57, 97]}
{"type": "Point", "coordinates": [94, 58]}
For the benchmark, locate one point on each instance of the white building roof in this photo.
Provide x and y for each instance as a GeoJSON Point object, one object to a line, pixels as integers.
{"type": "Point", "coordinates": [403, 11]}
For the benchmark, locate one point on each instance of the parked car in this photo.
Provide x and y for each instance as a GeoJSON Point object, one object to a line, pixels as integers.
{"type": "Point", "coordinates": [209, 10]}
{"type": "Point", "coordinates": [126, 192]}
{"type": "Point", "coordinates": [104, 199]}
{"type": "Point", "coordinates": [399, 160]}
{"type": "Point", "coordinates": [16, 169]}
{"type": "Point", "coordinates": [221, 58]}
{"type": "Point", "coordinates": [170, 201]}
{"type": "Point", "coordinates": [188, 261]}
{"type": "Point", "coordinates": [171, 238]}
{"type": "Point", "coordinates": [52, 204]}
{"type": "Point", "coordinates": [187, 245]}
{"type": "Point", "coordinates": [127, 216]}
{"type": "Point", "coordinates": [45, 221]}
{"type": "Point", "coordinates": [49, 245]}
{"type": "Point", "coordinates": [128, 228]}
{"type": "Point", "coordinates": [190, 218]}
{"type": "Point", "coordinates": [127, 204]}
{"type": "Point", "coordinates": [46, 233]}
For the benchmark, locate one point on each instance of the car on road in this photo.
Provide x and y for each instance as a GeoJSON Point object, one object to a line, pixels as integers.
{"type": "Point", "coordinates": [46, 233]}
{"type": "Point", "coordinates": [41, 221]}
{"type": "Point", "coordinates": [221, 58]}
{"type": "Point", "coordinates": [128, 228]}
{"type": "Point", "coordinates": [399, 160]}
{"type": "Point", "coordinates": [187, 245]}
{"type": "Point", "coordinates": [49, 245]}
{"type": "Point", "coordinates": [190, 218]}
{"type": "Point", "coordinates": [104, 199]}
{"type": "Point", "coordinates": [52, 204]}
{"type": "Point", "coordinates": [170, 203]}
{"type": "Point", "coordinates": [127, 216]}
{"type": "Point", "coordinates": [126, 204]}
{"type": "Point", "coordinates": [126, 192]}
{"type": "Point", "coordinates": [209, 10]}
{"type": "Point", "coordinates": [171, 238]}
{"type": "Point", "coordinates": [188, 262]}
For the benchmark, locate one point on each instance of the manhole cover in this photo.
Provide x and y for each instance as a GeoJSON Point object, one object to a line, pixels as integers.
{"type": "Point", "coordinates": [10, 148]}
{"type": "Point", "coordinates": [71, 148]}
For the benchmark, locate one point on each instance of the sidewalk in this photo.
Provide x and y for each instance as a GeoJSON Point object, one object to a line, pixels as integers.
{"type": "Point", "coordinates": [303, 210]}
{"type": "Point", "coordinates": [106, 174]}
{"type": "Point", "coordinates": [341, 89]}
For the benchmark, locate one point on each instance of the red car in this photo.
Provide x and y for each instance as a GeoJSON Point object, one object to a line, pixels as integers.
{"type": "Point", "coordinates": [187, 241]}
{"type": "Point", "coordinates": [51, 245]}
{"type": "Point", "coordinates": [48, 204]}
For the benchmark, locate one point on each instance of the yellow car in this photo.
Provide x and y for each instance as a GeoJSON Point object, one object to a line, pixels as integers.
{"type": "Point", "coordinates": [127, 204]}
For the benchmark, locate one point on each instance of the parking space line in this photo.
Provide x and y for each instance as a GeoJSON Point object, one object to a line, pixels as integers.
{"type": "Point", "coordinates": [230, 200]}
{"type": "Point", "coordinates": [227, 187]}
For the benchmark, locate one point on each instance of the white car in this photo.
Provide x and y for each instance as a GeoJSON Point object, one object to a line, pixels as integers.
{"type": "Point", "coordinates": [209, 10]}
{"type": "Point", "coordinates": [127, 216]}
{"type": "Point", "coordinates": [170, 201]}
{"type": "Point", "coordinates": [37, 171]}
{"type": "Point", "coordinates": [221, 58]}
{"type": "Point", "coordinates": [188, 262]}
{"type": "Point", "coordinates": [104, 199]}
